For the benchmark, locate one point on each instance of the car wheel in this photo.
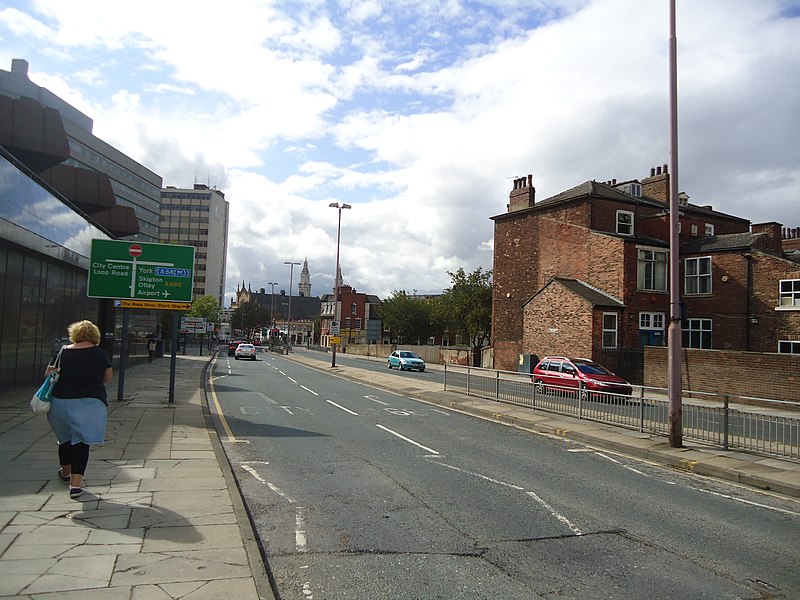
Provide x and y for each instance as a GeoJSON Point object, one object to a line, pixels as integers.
{"type": "Point", "coordinates": [236, 358]}
{"type": "Point", "coordinates": [540, 389]}
{"type": "Point", "coordinates": [389, 364]}
{"type": "Point", "coordinates": [422, 370]}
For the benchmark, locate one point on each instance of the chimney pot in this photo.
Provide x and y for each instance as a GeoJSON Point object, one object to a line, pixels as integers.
{"type": "Point", "coordinates": [658, 170]}
{"type": "Point", "coordinates": [664, 170]}
{"type": "Point", "coordinates": [652, 171]}
{"type": "Point", "coordinates": [530, 179]}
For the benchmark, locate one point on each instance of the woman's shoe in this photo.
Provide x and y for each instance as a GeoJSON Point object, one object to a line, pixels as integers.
{"type": "Point", "coordinates": [75, 492]}
{"type": "Point", "coordinates": [62, 477]}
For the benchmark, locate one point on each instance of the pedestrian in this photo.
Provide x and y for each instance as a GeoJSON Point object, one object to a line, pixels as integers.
{"type": "Point", "coordinates": [79, 407]}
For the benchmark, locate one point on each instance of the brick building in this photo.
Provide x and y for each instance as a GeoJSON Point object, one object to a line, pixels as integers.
{"type": "Point", "coordinates": [585, 273]}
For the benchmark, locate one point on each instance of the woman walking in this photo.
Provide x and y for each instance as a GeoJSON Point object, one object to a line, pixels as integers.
{"type": "Point", "coordinates": [78, 409]}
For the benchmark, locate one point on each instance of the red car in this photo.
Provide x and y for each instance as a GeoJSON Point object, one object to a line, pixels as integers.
{"type": "Point", "coordinates": [580, 373]}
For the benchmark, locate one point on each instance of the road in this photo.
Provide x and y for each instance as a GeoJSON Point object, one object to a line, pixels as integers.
{"type": "Point", "coordinates": [358, 493]}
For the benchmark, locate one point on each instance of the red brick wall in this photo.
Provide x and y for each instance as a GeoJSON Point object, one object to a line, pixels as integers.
{"type": "Point", "coordinates": [755, 374]}
{"type": "Point", "coordinates": [557, 322]}
{"type": "Point", "coordinates": [514, 281]}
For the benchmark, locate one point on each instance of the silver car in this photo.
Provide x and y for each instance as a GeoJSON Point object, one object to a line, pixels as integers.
{"type": "Point", "coordinates": [245, 351]}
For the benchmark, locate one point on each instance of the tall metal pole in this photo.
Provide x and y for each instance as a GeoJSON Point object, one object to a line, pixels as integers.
{"type": "Point", "coordinates": [674, 333]}
{"type": "Point", "coordinates": [289, 315]}
{"type": "Point", "coordinates": [338, 207]}
{"type": "Point", "coordinates": [272, 303]}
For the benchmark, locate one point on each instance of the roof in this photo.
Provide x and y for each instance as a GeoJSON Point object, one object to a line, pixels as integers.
{"type": "Point", "coordinates": [591, 294]}
{"type": "Point", "coordinates": [596, 189]}
{"type": "Point", "coordinates": [721, 243]}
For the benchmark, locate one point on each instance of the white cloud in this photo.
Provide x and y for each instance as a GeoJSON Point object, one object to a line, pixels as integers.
{"type": "Point", "coordinates": [420, 113]}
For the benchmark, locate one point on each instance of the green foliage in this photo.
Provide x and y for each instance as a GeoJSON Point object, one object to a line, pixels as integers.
{"type": "Point", "coordinates": [250, 317]}
{"type": "Point", "coordinates": [407, 317]}
{"type": "Point", "coordinates": [206, 306]}
{"type": "Point", "coordinates": [466, 307]}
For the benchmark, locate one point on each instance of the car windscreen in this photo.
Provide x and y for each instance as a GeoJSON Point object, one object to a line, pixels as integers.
{"type": "Point", "coordinates": [408, 355]}
{"type": "Point", "coordinates": [593, 369]}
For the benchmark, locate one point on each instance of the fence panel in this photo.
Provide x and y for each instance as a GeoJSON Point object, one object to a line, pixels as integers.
{"type": "Point", "coordinates": [706, 417]}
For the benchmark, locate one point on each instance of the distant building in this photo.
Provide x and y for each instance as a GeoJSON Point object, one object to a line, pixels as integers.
{"type": "Point", "coordinates": [357, 314]}
{"type": "Point", "coordinates": [199, 217]}
{"type": "Point", "coordinates": [301, 324]}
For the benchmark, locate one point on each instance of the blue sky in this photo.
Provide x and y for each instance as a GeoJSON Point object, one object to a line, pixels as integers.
{"type": "Point", "coordinates": [421, 113]}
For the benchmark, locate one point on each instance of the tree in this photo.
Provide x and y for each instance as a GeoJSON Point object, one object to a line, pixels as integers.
{"type": "Point", "coordinates": [466, 308]}
{"type": "Point", "coordinates": [406, 317]}
{"type": "Point", "coordinates": [207, 307]}
{"type": "Point", "coordinates": [249, 317]}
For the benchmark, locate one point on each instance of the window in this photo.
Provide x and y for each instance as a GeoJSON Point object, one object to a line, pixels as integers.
{"type": "Point", "coordinates": [709, 229]}
{"type": "Point", "coordinates": [652, 271]}
{"type": "Point", "coordinates": [697, 275]}
{"type": "Point", "coordinates": [347, 322]}
{"type": "Point", "coordinates": [354, 309]}
{"type": "Point", "coordinates": [358, 322]}
{"type": "Point", "coordinates": [636, 189]}
{"type": "Point", "coordinates": [694, 230]}
{"type": "Point", "coordinates": [790, 292]}
{"type": "Point", "coordinates": [697, 334]}
{"type": "Point", "coordinates": [624, 222]}
{"type": "Point", "coordinates": [651, 321]}
{"type": "Point", "coordinates": [788, 347]}
{"type": "Point", "coordinates": [610, 330]}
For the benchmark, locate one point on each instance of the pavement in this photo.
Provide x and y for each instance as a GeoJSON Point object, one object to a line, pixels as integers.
{"type": "Point", "coordinates": [162, 516]}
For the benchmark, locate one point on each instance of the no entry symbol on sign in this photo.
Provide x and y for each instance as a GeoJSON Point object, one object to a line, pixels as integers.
{"type": "Point", "coordinates": [135, 250]}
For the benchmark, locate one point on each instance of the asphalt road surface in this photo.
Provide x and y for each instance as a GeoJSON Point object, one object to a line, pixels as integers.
{"type": "Point", "coordinates": [360, 493]}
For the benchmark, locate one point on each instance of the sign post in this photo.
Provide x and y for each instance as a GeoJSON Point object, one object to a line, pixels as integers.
{"type": "Point", "coordinates": [142, 275]}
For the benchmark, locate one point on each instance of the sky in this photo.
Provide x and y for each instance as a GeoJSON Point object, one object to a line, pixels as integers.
{"type": "Point", "coordinates": [420, 114]}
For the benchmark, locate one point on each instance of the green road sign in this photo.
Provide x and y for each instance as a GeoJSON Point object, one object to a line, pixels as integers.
{"type": "Point", "coordinates": [141, 271]}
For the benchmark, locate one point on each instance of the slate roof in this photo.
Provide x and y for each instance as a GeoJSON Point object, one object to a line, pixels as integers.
{"type": "Point", "coordinates": [721, 243]}
{"type": "Point", "coordinates": [588, 292]}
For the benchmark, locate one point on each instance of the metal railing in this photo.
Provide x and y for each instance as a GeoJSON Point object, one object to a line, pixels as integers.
{"type": "Point", "coordinates": [770, 428]}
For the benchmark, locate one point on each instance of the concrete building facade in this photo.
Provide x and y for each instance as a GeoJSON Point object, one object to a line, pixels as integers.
{"type": "Point", "coordinates": [199, 217]}
{"type": "Point", "coordinates": [133, 185]}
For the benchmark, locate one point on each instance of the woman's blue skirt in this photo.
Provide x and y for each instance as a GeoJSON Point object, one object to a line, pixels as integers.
{"type": "Point", "coordinates": [78, 420]}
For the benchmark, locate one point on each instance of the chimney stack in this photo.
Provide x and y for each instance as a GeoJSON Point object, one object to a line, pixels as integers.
{"type": "Point", "coordinates": [523, 194]}
{"type": "Point", "coordinates": [657, 185]}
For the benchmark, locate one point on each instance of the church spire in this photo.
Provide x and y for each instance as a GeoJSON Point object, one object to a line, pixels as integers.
{"type": "Point", "coordinates": [304, 287]}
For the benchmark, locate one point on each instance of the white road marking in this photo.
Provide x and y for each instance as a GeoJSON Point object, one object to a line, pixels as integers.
{"type": "Point", "coordinates": [441, 412]}
{"type": "Point", "coordinates": [342, 407]}
{"type": "Point", "coordinates": [484, 477]}
{"type": "Point", "coordinates": [299, 529]}
{"type": "Point", "coordinates": [290, 379]}
{"type": "Point", "coordinates": [613, 460]}
{"type": "Point", "coordinates": [579, 450]}
{"type": "Point", "coordinates": [254, 473]}
{"type": "Point", "coordinates": [278, 491]}
{"type": "Point", "coordinates": [310, 391]}
{"type": "Point", "coordinates": [286, 408]}
{"type": "Point", "coordinates": [558, 516]}
{"type": "Point", "coordinates": [374, 399]}
{"type": "Point", "coordinates": [751, 503]}
{"type": "Point", "coordinates": [409, 440]}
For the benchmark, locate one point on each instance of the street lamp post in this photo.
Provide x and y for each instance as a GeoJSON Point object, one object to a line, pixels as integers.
{"type": "Point", "coordinates": [272, 302]}
{"type": "Point", "coordinates": [271, 311]}
{"type": "Point", "coordinates": [289, 314]}
{"type": "Point", "coordinates": [338, 207]}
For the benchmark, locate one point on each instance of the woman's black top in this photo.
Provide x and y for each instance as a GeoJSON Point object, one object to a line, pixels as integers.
{"type": "Point", "coordinates": [82, 372]}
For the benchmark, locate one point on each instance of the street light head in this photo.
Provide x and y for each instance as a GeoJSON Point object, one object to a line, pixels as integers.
{"type": "Point", "coordinates": [333, 205]}
{"type": "Point", "coordinates": [346, 206]}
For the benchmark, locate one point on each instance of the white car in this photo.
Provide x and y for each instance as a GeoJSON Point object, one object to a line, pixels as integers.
{"type": "Point", "coordinates": [245, 351]}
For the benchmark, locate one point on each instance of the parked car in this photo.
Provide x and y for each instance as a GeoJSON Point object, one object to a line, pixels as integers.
{"type": "Point", "coordinates": [245, 351]}
{"type": "Point", "coordinates": [232, 345]}
{"type": "Point", "coordinates": [406, 360]}
{"type": "Point", "coordinates": [581, 373]}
